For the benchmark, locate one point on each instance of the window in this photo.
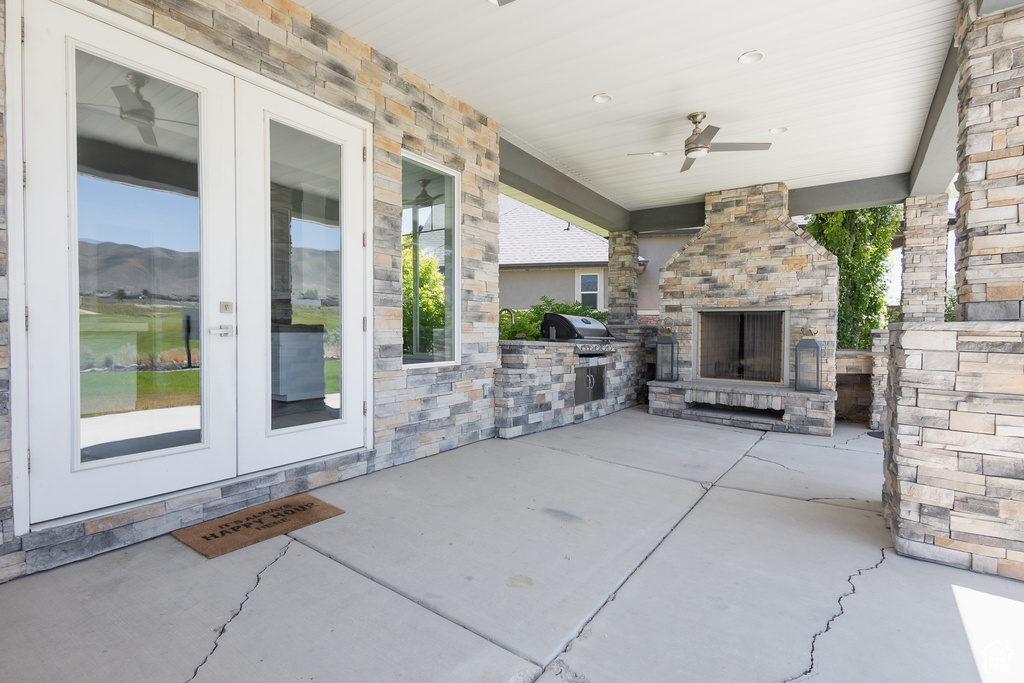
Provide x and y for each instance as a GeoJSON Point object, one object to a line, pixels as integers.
{"type": "Point", "coordinates": [429, 250]}
{"type": "Point", "coordinates": [588, 289]}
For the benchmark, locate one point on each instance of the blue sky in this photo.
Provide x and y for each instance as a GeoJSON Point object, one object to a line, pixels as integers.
{"type": "Point", "coordinates": [125, 214]}
{"type": "Point", "coordinates": [114, 212]}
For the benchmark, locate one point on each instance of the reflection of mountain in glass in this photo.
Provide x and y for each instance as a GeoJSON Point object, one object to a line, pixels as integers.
{"type": "Point", "coordinates": [317, 270]}
{"type": "Point", "coordinates": [109, 267]}
{"type": "Point", "coordinates": [106, 267]}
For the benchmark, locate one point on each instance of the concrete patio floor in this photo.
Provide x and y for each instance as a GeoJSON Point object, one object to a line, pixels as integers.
{"type": "Point", "coordinates": [629, 548]}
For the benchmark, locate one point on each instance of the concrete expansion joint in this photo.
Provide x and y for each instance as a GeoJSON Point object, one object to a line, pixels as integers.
{"type": "Point", "coordinates": [236, 612]}
{"type": "Point", "coordinates": [807, 673]}
{"type": "Point", "coordinates": [558, 665]}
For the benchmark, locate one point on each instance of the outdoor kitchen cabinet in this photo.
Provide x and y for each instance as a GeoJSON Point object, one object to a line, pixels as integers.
{"type": "Point", "coordinates": [589, 384]}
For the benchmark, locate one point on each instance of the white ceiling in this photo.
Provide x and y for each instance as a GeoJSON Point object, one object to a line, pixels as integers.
{"type": "Point", "coordinates": [851, 79]}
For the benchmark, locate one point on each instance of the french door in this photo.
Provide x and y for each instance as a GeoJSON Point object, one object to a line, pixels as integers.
{"type": "Point", "coordinates": [195, 271]}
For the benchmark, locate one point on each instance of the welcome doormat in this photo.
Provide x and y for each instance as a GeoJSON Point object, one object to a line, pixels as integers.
{"type": "Point", "coordinates": [255, 524]}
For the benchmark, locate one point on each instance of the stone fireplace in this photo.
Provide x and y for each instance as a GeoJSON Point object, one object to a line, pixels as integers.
{"type": "Point", "coordinates": [741, 293]}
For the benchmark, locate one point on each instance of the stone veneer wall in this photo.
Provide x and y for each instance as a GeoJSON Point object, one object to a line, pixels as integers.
{"type": "Point", "coordinates": [924, 259]}
{"type": "Point", "coordinates": [954, 444]}
{"type": "Point", "coordinates": [879, 377]}
{"type": "Point", "coordinates": [990, 150]}
{"type": "Point", "coordinates": [751, 254]}
{"type": "Point", "coordinates": [853, 385]}
{"type": "Point", "coordinates": [535, 387]}
{"type": "Point", "coordinates": [623, 277]}
{"type": "Point", "coordinates": [419, 411]}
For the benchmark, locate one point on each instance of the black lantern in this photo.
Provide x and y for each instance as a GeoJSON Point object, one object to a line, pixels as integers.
{"type": "Point", "coordinates": [665, 359]}
{"type": "Point", "coordinates": [808, 363]}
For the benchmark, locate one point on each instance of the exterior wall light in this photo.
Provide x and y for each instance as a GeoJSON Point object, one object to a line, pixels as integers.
{"type": "Point", "coordinates": [808, 363]}
{"type": "Point", "coordinates": [665, 368]}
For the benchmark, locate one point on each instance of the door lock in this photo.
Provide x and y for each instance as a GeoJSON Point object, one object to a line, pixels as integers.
{"type": "Point", "coordinates": [223, 331]}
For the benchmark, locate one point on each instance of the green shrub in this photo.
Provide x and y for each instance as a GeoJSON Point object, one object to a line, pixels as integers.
{"type": "Point", "coordinates": [528, 321]}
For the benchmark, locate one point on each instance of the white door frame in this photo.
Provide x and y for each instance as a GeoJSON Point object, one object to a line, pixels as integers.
{"type": "Point", "coordinates": [260, 447]}
{"type": "Point", "coordinates": [14, 119]}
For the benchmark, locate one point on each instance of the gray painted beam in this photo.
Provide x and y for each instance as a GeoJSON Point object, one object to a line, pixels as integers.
{"type": "Point", "coordinates": [532, 176]}
{"type": "Point", "coordinates": [854, 194]}
{"type": "Point", "coordinates": [667, 218]}
{"type": "Point", "coordinates": [935, 161]}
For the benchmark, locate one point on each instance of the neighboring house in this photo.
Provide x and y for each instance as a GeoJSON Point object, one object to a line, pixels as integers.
{"type": "Point", "coordinates": [542, 255]}
{"type": "Point", "coordinates": [656, 248]}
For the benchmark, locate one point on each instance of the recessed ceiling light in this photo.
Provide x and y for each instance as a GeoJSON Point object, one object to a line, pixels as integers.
{"type": "Point", "coordinates": [659, 153]}
{"type": "Point", "coordinates": [602, 97]}
{"type": "Point", "coordinates": [751, 57]}
{"type": "Point", "coordinates": [779, 130]}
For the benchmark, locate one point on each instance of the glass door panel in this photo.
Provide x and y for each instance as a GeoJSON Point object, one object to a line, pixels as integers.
{"type": "Point", "coordinates": [305, 277]}
{"type": "Point", "coordinates": [129, 158]}
{"type": "Point", "coordinates": [302, 366]}
{"type": "Point", "coordinates": [138, 197]}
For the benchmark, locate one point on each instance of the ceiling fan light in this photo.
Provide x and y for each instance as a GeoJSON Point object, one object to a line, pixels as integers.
{"type": "Point", "coordinates": [697, 152]}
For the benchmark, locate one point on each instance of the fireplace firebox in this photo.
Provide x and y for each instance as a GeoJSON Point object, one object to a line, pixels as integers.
{"type": "Point", "coordinates": [741, 345]}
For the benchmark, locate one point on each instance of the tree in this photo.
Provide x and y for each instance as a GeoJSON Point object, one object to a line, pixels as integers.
{"type": "Point", "coordinates": [431, 298]}
{"type": "Point", "coordinates": [861, 241]}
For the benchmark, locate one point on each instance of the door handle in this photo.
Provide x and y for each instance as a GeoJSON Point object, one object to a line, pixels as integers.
{"type": "Point", "coordinates": [223, 331]}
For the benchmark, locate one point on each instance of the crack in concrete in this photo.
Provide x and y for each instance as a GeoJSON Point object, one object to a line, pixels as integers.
{"type": "Point", "coordinates": [558, 666]}
{"type": "Point", "coordinates": [235, 613]}
{"type": "Point", "coordinates": [755, 457]}
{"type": "Point", "coordinates": [565, 672]}
{"type": "Point", "coordinates": [806, 673]}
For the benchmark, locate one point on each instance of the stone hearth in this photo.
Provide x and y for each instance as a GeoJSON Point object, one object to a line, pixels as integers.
{"type": "Point", "coordinates": [751, 256]}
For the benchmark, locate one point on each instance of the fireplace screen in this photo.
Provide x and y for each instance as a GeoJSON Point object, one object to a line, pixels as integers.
{"type": "Point", "coordinates": [741, 345]}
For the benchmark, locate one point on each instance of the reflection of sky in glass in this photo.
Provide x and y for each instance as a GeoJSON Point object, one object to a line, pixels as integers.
{"type": "Point", "coordinates": [125, 214]}
{"type": "Point", "coordinates": [309, 235]}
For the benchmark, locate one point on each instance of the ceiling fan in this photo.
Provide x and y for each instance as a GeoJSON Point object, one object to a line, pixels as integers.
{"type": "Point", "coordinates": [699, 143]}
{"type": "Point", "coordinates": [135, 109]}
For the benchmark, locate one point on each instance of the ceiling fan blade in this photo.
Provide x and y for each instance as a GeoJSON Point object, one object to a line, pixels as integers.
{"type": "Point", "coordinates": [705, 135]}
{"type": "Point", "coordinates": [687, 164]}
{"type": "Point", "coordinates": [651, 154]}
{"type": "Point", "coordinates": [148, 136]}
{"type": "Point", "coordinates": [128, 100]}
{"type": "Point", "coordinates": [740, 146]}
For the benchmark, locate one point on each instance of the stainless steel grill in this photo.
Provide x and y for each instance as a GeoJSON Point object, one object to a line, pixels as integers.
{"type": "Point", "coordinates": [591, 336]}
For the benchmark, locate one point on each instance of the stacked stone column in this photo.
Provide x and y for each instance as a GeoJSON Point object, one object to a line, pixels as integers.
{"type": "Point", "coordinates": [924, 259]}
{"type": "Point", "coordinates": [954, 434]}
{"type": "Point", "coordinates": [623, 277]}
{"type": "Point", "coordinates": [990, 151]}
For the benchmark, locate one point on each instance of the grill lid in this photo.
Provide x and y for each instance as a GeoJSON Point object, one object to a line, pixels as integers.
{"type": "Point", "coordinates": [561, 326]}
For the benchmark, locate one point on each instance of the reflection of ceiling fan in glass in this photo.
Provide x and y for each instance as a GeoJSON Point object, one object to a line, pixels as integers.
{"type": "Point", "coordinates": [133, 108]}
{"type": "Point", "coordinates": [425, 200]}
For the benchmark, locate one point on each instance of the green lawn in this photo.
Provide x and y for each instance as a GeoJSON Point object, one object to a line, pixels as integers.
{"type": "Point", "coordinates": [120, 392]}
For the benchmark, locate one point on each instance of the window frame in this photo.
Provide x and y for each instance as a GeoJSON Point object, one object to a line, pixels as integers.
{"type": "Point", "coordinates": [602, 304]}
{"type": "Point", "coordinates": [456, 262]}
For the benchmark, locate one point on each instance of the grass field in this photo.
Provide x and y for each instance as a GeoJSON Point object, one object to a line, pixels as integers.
{"type": "Point", "coordinates": [137, 333]}
{"type": "Point", "coordinates": [104, 393]}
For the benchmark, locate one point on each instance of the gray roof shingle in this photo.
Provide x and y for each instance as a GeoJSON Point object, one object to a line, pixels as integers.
{"type": "Point", "coordinates": [531, 237]}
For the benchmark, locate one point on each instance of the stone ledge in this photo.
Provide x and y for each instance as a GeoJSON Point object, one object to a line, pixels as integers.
{"type": "Point", "coordinates": [803, 412]}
